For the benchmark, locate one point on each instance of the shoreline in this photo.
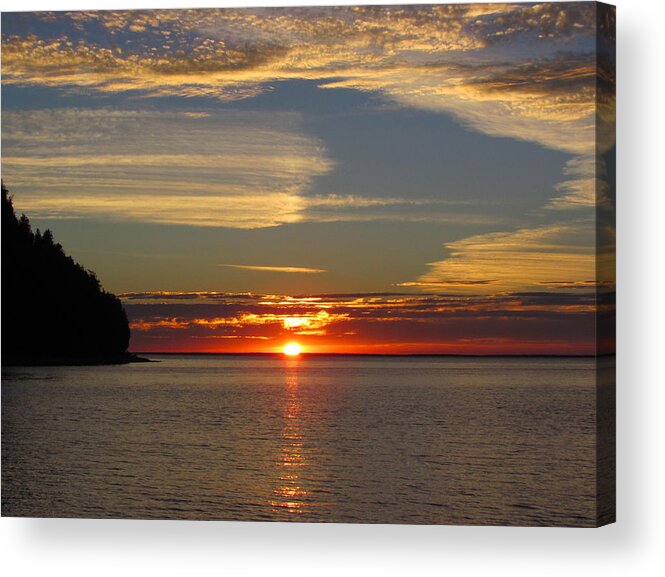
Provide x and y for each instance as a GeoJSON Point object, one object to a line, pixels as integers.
{"type": "Point", "coordinates": [74, 361]}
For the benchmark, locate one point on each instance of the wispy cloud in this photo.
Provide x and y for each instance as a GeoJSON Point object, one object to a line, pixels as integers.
{"type": "Point", "coordinates": [445, 283]}
{"type": "Point", "coordinates": [581, 285]}
{"type": "Point", "coordinates": [247, 211]}
{"type": "Point", "coordinates": [287, 269]}
{"type": "Point", "coordinates": [518, 260]}
{"type": "Point", "coordinates": [586, 186]}
{"type": "Point", "coordinates": [132, 165]}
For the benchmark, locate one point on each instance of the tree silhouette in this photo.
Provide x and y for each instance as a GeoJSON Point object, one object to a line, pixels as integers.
{"type": "Point", "coordinates": [52, 308]}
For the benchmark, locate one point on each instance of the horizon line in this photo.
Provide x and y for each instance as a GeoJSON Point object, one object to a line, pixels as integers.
{"type": "Point", "coordinates": [322, 354]}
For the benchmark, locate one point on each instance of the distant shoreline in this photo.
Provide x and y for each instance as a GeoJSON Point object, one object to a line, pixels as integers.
{"type": "Point", "coordinates": [305, 354]}
{"type": "Point", "coordinates": [140, 357]}
{"type": "Point", "coordinates": [73, 361]}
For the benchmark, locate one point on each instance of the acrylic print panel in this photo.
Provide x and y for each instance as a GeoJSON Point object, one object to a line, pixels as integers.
{"type": "Point", "coordinates": [357, 264]}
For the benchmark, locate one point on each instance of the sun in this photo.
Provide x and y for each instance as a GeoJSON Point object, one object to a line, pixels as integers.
{"type": "Point", "coordinates": [292, 349]}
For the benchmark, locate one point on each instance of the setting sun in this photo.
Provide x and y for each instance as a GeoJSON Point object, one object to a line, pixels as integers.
{"type": "Point", "coordinates": [292, 349]}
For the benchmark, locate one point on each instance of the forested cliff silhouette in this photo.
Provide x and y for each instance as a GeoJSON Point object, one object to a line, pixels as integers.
{"type": "Point", "coordinates": [53, 309]}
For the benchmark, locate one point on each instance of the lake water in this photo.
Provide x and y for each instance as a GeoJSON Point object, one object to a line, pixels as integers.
{"type": "Point", "coordinates": [336, 439]}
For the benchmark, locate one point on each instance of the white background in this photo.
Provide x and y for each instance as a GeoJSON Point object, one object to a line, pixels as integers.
{"type": "Point", "coordinates": [635, 545]}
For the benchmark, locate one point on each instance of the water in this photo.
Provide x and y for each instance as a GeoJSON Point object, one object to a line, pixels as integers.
{"type": "Point", "coordinates": [336, 439]}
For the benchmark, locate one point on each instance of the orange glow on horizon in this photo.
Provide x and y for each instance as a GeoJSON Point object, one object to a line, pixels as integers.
{"type": "Point", "coordinates": [502, 347]}
{"type": "Point", "coordinates": [392, 324]}
{"type": "Point", "coordinates": [292, 349]}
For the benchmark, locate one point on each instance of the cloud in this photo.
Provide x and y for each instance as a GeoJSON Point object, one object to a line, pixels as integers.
{"type": "Point", "coordinates": [588, 186]}
{"type": "Point", "coordinates": [499, 99]}
{"type": "Point", "coordinates": [355, 208]}
{"type": "Point", "coordinates": [366, 322]}
{"type": "Point", "coordinates": [445, 283]}
{"type": "Point", "coordinates": [131, 165]}
{"type": "Point", "coordinates": [454, 59]}
{"type": "Point", "coordinates": [248, 211]}
{"type": "Point", "coordinates": [372, 304]}
{"type": "Point", "coordinates": [287, 269]}
{"type": "Point", "coordinates": [582, 285]}
{"type": "Point", "coordinates": [517, 260]}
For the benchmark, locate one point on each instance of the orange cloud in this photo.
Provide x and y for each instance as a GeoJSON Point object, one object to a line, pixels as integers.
{"type": "Point", "coordinates": [370, 322]}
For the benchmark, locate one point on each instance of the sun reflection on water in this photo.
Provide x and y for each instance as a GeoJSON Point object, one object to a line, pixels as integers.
{"type": "Point", "coordinates": [289, 494]}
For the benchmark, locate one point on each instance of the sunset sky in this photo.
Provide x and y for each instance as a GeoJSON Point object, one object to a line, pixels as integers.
{"type": "Point", "coordinates": [415, 179]}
